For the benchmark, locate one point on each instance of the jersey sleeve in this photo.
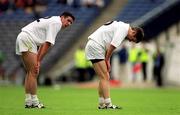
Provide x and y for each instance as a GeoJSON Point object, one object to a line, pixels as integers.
{"type": "Point", "coordinates": [51, 32]}
{"type": "Point", "coordinates": [119, 35]}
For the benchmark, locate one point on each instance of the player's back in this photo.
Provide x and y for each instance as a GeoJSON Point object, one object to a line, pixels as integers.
{"type": "Point", "coordinates": [39, 25]}
{"type": "Point", "coordinates": [104, 34]}
{"type": "Point", "coordinates": [39, 28]}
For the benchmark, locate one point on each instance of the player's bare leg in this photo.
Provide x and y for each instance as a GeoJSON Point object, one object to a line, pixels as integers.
{"type": "Point", "coordinates": [30, 62]}
{"type": "Point", "coordinates": [101, 71]}
{"type": "Point", "coordinates": [104, 88]}
{"type": "Point", "coordinates": [101, 97]}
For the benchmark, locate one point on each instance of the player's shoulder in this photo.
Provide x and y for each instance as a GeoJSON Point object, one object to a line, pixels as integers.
{"type": "Point", "coordinates": [57, 18]}
{"type": "Point", "coordinates": [54, 19]}
{"type": "Point", "coordinates": [121, 23]}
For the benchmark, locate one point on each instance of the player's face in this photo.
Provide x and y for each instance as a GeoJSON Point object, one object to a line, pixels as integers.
{"type": "Point", "coordinates": [66, 21]}
{"type": "Point", "coordinates": [132, 36]}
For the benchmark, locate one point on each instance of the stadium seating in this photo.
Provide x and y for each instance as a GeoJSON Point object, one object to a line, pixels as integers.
{"type": "Point", "coordinates": [149, 14]}
{"type": "Point", "coordinates": [137, 8]}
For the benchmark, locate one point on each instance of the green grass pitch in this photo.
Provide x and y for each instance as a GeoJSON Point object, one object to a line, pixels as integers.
{"type": "Point", "coordinates": [81, 101]}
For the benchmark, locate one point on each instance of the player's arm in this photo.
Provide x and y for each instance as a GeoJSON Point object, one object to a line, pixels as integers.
{"type": "Point", "coordinates": [41, 53]}
{"type": "Point", "coordinates": [108, 55]}
{"type": "Point", "coordinates": [43, 50]}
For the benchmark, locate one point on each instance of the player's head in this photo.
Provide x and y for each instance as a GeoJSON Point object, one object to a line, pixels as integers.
{"type": "Point", "coordinates": [67, 19]}
{"type": "Point", "coordinates": [135, 34]}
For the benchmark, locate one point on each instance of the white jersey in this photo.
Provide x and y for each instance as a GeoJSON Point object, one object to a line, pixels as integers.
{"type": "Point", "coordinates": [44, 29]}
{"type": "Point", "coordinates": [110, 33]}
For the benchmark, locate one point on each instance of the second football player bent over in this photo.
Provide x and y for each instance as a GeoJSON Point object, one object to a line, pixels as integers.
{"type": "Point", "coordinates": [99, 49]}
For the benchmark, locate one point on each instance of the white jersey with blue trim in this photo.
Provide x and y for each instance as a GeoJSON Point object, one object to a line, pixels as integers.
{"type": "Point", "coordinates": [44, 29]}
{"type": "Point", "coordinates": [113, 32]}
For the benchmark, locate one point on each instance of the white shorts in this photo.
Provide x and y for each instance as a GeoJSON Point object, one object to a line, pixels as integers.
{"type": "Point", "coordinates": [24, 43]}
{"type": "Point", "coordinates": [94, 51]}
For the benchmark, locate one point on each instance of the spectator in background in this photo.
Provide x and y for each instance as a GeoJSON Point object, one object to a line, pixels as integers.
{"type": "Point", "coordinates": [40, 7]}
{"type": "Point", "coordinates": [90, 70]}
{"type": "Point", "coordinates": [12, 6]}
{"type": "Point", "coordinates": [83, 3]}
{"type": "Point", "coordinates": [83, 68]}
{"type": "Point", "coordinates": [92, 3]}
{"type": "Point", "coordinates": [144, 59]}
{"type": "Point", "coordinates": [133, 58]}
{"type": "Point", "coordinates": [100, 3]}
{"type": "Point", "coordinates": [42, 2]}
{"type": "Point", "coordinates": [31, 6]}
{"type": "Point", "coordinates": [80, 64]}
{"type": "Point", "coordinates": [62, 1]}
{"type": "Point", "coordinates": [123, 59]}
{"type": "Point", "coordinates": [20, 4]}
{"type": "Point", "coordinates": [158, 67]}
{"type": "Point", "coordinates": [2, 70]}
{"type": "Point", "coordinates": [26, 5]}
{"type": "Point", "coordinates": [4, 5]}
{"type": "Point", "coordinates": [73, 3]}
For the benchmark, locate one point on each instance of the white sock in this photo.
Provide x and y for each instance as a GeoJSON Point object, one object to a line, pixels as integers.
{"type": "Point", "coordinates": [108, 102]}
{"type": "Point", "coordinates": [27, 96]}
{"type": "Point", "coordinates": [101, 100]}
{"type": "Point", "coordinates": [35, 99]}
{"type": "Point", "coordinates": [28, 100]}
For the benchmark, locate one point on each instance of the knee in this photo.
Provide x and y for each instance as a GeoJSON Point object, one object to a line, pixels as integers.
{"type": "Point", "coordinates": [105, 76]}
{"type": "Point", "coordinates": [33, 72]}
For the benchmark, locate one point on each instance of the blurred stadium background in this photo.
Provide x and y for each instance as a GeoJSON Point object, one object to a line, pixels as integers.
{"type": "Point", "coordinates": [158, 18]}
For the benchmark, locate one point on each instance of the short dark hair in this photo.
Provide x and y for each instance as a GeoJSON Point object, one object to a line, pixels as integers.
{"type": "Point", "coordinates": [139, 34]}
{"type": "Point", "coordinates": [66, 14]}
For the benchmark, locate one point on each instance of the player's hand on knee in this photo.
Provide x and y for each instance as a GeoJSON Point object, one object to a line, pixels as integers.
{"type": "Point", "coordinates": [37, 68]}
{"type": "Point", "coordinates": [108, 65]}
